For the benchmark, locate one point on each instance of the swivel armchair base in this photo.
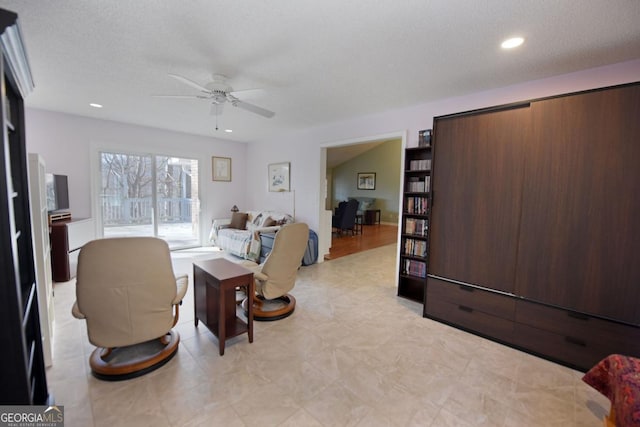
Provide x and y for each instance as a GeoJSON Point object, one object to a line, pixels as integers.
{"type": "Point", "coordinates": [271, 309]}
{"type": "Point", "coordinates": [123, 363]}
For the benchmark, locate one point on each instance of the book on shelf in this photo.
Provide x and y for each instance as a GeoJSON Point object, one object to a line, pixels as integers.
{"type": "Point", "coordinates": [415, 247]}
{"type": "Point", "coordinates": [414, 268]}
{"type": "Point", "coordinates": [417, 184]}
{"type": "Point", "coordinates": [416, 226]}
{"type": "Point", "coordinates": [417, 205]}
{"type": "Point", "coordinates": [420, 165]}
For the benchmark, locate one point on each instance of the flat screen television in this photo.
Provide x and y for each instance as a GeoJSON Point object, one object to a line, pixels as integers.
{"type": "Point", "coordinates": [57, 192]}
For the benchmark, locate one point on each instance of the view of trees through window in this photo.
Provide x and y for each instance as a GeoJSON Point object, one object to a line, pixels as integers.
{"type": "Point", "coordinates": [150, 195]}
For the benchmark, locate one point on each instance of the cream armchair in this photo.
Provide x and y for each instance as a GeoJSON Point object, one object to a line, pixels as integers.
{"type": "Point", "coordinates": [127, 293]}
{"type": "Point", "coordinates": [277, 275]}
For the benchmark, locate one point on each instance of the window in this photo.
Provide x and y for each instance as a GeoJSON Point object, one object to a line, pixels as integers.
{"type": "Point", "coordinates": [150, 195]}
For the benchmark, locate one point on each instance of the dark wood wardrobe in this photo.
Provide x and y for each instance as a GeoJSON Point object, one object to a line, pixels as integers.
{"type": "Point", "coordinates": [535, 224]}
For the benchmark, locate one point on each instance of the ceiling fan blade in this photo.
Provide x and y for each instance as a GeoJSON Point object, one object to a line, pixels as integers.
{"type": "Point", "coordinates": [253, 108]}
{"type": "Point", "coordinates": [189, 82]}
{"type": "Point", "coordinates": [248, 93]}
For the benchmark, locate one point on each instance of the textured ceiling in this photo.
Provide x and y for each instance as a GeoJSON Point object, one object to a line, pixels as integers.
{"type": "Point", "coordinates": [317, 61]}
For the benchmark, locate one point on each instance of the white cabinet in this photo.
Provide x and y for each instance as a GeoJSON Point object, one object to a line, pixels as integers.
{"type": "Point", "coordinates": [41, 252]}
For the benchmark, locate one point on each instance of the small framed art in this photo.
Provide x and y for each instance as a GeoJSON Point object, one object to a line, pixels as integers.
{"type": "Point", "coordinates": [366, 181]}
{"type": "Point", "coordinates": [279, 176]}
{"type": "Point", "coordinates": [221, 168]}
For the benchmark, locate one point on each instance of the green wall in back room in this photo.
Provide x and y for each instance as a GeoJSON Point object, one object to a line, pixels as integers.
{"type": "Point", "coordinates": [384, 160]}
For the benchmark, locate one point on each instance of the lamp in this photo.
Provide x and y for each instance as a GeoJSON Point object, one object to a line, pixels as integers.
{"type": "Point", "coordinates": [234, 208]}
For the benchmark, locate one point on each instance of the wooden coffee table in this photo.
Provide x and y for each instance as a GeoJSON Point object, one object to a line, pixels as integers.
{"type": "Point", "coordinates": [214, 286]}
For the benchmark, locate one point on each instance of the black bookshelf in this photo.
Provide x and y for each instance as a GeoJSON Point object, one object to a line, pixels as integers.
{"type": "Point", "coordinates": [21, 360]}
{"type": "Point", "coordinates": [414, 240]}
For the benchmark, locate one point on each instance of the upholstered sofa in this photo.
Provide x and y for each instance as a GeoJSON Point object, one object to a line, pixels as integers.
{"type": "Point", "coordinates": [364, 203]}
{"type": "Point", "coordinates": [240, 234]}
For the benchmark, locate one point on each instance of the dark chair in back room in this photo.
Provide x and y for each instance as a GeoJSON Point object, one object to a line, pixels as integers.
{"type": "Point", "coordinates": [345, 217]}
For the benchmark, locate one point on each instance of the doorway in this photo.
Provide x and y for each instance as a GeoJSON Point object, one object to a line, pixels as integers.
{"type": "Point", "coordinates": [333, 154]}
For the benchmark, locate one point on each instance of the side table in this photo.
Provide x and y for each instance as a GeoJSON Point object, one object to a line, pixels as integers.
{"type": "Point", "coordinates": [358, 224]}
{"type": "Point", "coordinates": [372, 216]}
{"type": "Point", "coordinates": [214, 286]}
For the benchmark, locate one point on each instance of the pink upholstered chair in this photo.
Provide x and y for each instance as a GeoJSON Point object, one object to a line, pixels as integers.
{"type": "Point", "coordinates": [618, 378]}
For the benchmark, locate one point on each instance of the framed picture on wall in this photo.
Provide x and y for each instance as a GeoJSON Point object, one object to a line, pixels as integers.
{"type": "Point", "coordinates": [279, 176]}
{"type": "Point", "coordinates": [221, 168]}
{"type": "Point", "coordinates": [366, 181]}
{"type": "Point", "coordinates": [424, 138]}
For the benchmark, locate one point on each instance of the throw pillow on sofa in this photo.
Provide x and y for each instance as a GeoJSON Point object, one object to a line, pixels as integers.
{"type": "Point", "coordinates": [238, 221]}
{"type": "Point", "coordinates": [270, 222]}
{"type": "Point", "coordinates": [257, 220]}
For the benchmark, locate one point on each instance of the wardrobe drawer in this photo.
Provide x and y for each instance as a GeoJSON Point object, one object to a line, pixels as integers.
{"type": "Point", "coordinates": [469, 318]}
{"type": "Point", "coordinates": [477, 299]}
{"type": "Point", "coordinates": [611, 336]}
{"type": "Point", "coordinates": [567, 349]}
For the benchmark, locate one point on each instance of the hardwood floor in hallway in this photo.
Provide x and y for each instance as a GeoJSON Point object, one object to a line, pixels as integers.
{"type": "Point", "coordinates": [372, 236]}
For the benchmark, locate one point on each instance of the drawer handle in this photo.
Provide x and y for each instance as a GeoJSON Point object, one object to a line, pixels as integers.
{"type": "Point", "coordinates": [466, 288]}
{"type": "Point", "coordinates": [465, 308]}
{"type": "Point", "coordinates": [575, 341]}
{"type": "Point", "coordinates": [578, 316]}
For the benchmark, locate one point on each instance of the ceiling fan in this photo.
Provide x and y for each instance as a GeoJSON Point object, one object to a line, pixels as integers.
{"type": "Point", "coordinates": [218, 92]}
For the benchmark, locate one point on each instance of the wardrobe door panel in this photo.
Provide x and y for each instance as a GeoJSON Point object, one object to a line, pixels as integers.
{"type": "Point", "coordinates": [580, 230]}
{"type": "Point", "coordinates": [477, 187]}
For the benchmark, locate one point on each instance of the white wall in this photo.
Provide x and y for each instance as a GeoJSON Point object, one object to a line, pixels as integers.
{"type": "Point", "coordinates": [66, 142]}
{"type": "Point", "coordinates": [385, 161]}
{"type": "Point", "coordinates": [305, 169]}
{"type": "Point", "coordinates": [302, 148]}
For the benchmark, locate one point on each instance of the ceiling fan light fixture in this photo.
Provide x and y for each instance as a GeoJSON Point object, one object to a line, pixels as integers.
{"type": "Point", "coordinates": [219, 93]}
{"type": "Point", "coordinates": [512, 42]}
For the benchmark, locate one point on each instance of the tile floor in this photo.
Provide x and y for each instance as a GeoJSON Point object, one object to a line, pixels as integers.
{"type": "Point", "coordinates": [353, 354]}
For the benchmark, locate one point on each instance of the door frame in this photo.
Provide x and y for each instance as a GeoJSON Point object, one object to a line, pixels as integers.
{"type": "Point", "coordinates": [324, 215]}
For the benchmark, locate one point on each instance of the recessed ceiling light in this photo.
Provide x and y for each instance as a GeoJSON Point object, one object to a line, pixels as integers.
{"type": "Point", "coordinates": [512, 42]}
{"type": "Point", "coordinates": [228, 130]}
{"type": "Point", "coordinates": [94, 105]}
